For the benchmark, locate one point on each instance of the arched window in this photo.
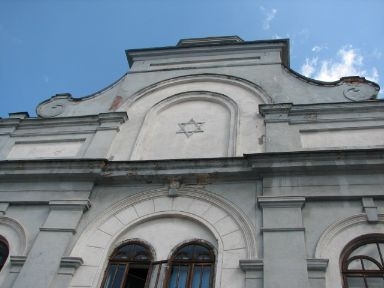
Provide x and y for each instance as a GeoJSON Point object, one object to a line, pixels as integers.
{"type": "Point", "coordinates": [192, 266]}
{"type": "Point", "coordinates": [362, 262]}
{"type": "Point", "coordinates": [4, 251]}
{"type": "Point", "coordinates": [128, 266]}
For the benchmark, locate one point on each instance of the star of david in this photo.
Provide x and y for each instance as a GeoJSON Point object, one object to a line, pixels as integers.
{"type": "Point", "coordinates": [190, 127]}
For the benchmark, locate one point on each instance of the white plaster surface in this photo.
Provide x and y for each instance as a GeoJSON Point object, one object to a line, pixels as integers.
{"type": "Point", "coordinates": [99, 239]}
{"type": "Point", "coordinates": [45, 150]}
{"type": "Point", "coordinates": [233, 240]}
{"type": "Point", "coordinates": [362, 137]}
{"type": "Point", "coordinates": [164, 139]}
{"type": "Point", "coordinates": [228, 108]}
{"type": "Point", "coordinates": [157, 232]}
{"type": "Point", "coordinates": [126, 216]}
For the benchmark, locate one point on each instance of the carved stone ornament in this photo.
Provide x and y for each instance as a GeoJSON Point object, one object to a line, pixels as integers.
{"type": "Point", "coordinates": [359, 92]}
{"type": "Point", "coordinates": [54, 106]}
{"type": "Point", "coordinates": [190, 127]}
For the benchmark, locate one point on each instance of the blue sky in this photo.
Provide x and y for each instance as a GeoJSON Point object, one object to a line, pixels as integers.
{"type": "Point", "coordinates": [77, 46]}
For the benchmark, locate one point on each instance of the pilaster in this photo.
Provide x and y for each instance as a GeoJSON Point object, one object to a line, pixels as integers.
{"type": "Point", "coordinates": [285, 263]}
{"type": "Point", "coordinates": [45, 257]}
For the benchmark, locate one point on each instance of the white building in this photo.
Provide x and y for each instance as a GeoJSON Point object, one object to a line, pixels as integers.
{"type": "Point", "coordinates": [209, 164]}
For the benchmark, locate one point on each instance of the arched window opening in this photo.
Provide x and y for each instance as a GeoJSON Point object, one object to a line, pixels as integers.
{"type": "Point", "coordinates": [4, 252]}
{"type": "Point", "coordinates": [128, 266]}
{"type": "Point", "coordinates": [192, 266]}
{"type": "Point", "coordinates": [362, 262]}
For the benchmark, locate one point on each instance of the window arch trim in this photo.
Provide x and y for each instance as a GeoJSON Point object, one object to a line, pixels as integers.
{"type": "Point", "coordinates": [119, 268]}
{"type": "Point", "coordinates": [352, 246]}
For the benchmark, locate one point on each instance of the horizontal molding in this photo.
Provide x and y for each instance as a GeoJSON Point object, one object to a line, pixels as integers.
{"type": "Point", "coordinates": [317, 264]}
{"type": "Point", "coordinates": [70, 204]}
{"type": "Point", "coordinates": [71, 262]}
{"type": "Point", "coordinates": [283, 229]}
{"type": "Point", "coordinates": [280, 202]}
{"type": "Point", "coordinates": [252, 265]}
{"type": "Point", "coordinates": [322, 112]}
{"type": "Point", "coordinates": [49, 229]}
{"type": "Point", "coordinates": [250, 166]}
{"type": "Point", "coordinates": [17, 260]}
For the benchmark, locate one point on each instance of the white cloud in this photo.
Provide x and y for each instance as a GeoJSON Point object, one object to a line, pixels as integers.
{"type": "Point", "coordinates": [318, 48]}
{"type": "Point", "coordinates": [349, 62]}
{"type": "Point", "coordinates": [308, 67]}
{"type": "Point", "coordinates": [269, 15]}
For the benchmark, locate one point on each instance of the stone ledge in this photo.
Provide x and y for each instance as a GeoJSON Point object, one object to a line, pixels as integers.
{"type": "Point", "coordinates": [280, 202]}
{"type": "Point", "coordinates": [252, 265]}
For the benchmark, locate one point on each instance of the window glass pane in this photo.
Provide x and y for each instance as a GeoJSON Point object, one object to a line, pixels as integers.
{"type": "Point", "coordinates": [185, 253]}
{"type": "Point", "coordinates": [381, 246]}
{"type": "Point", "coordinates": [355, 265]}
{"type": "Point", "coordinates": [201, 277]}
{"type": "Point", "coordinates": [355, 282]}
{"type": "Point", "coordinates": [367, 250]}
{"type": "Point", "coordinates": [197, 276]}
{"type": "Point", "coordinates": [132, 252]}
{"type": "Point", "coordinates": [110, 275]}
{"type": "Point", "coordinates": [370, 265]}
{"type": "Point", "coordinates": [179, 276]}
{"type": "Point", "coordinates": [375, 282]}
{"type": "Point", "coordinates": [193, 252]}
{"type": "Point", "coordinates": [207, 277]}
{"type": "Point", "coordinates": [119, 277]}
{"type": "Point", "coordinates": [202, 253]}
{"type": "Point", "coordinates": [157, 275]}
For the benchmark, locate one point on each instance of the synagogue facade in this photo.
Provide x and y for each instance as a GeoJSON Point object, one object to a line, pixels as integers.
{"type": "Point", "coordinates": [210, 164]}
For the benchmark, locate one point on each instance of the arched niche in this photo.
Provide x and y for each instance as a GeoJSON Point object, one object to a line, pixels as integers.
{"type": "Point", "coordinates": [157, 112]}
{"type": "Point", "coordinates": [194, 215]}
{"type": "Point", "coordinates": [194, 124]}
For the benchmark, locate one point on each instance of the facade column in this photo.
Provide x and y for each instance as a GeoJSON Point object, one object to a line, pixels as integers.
{"type": "Point", "coordinates": [285, 263]}
{"type": "Point", "coordinates": [45, 257]}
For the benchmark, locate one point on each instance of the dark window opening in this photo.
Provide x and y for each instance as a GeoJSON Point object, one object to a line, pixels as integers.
{"type": "Point", "coordinates": [4, 252]}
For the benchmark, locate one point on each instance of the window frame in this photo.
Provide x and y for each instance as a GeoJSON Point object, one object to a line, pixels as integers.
{"type": "Point", "coordinates": [192, 263]}
{"type": "Point", "coordinates": [345, 259]}
{"type": "Point", "coordinates": [129, 262]}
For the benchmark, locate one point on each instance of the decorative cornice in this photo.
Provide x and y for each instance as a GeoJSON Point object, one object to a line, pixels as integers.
{"type": "Point", "coordinates": [321, 112]}
{"type": "Point", "coordinates": [250, 166]}
{"type": "Point", "coordinates": [225, 49]}
{"type": "Point", "coordinates": [52, 167]}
